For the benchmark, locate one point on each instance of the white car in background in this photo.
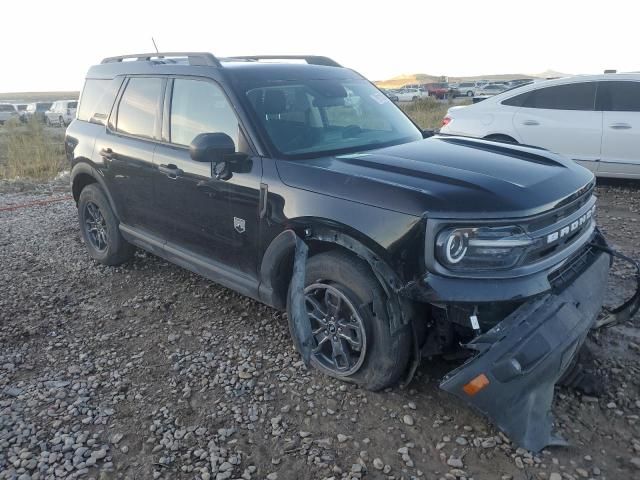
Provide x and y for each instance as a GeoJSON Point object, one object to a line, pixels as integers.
{"type": "Point", "coordinates": [410, 94]}
{"type": "Point", "coordinates": [7, 112]}
{"type": "Point", "coordinates": [61, 112]}
{"type": "Point", "coordinates": [594, 120]}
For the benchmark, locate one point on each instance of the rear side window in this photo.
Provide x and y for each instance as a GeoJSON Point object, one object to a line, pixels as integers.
{"type": "Point", "coordinates": [516, 101]}
{"type": "Point", "coordinates": [97, 99]}
{"type": "Point", "coordinates": [72, 105]}
{"type": "Point", "coordinates": [619, 96]}
{"type": "Point", "coordinates": [200, 107]}
{"type": "Point", "coordinates": [573, 96]}
{"type": "Point", "coordinates": [139, 107]}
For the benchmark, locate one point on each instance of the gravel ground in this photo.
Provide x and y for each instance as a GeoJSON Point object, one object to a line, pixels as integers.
{"type": "Point", "coordinates": [148, 371]}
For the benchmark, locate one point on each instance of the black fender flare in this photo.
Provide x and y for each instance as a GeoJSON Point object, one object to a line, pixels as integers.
{"type": "Point", "coordinates": [85, 168]}
{"type": "Point", "coordinates": [277, 268]}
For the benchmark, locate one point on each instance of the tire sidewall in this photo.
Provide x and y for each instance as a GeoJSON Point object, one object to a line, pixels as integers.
{"type": "Point", "coordinates": [93, 193]}
{"type": "Point", "coordinates": [386, 354]}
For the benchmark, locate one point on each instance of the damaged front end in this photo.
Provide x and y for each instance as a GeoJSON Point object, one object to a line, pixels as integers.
{"type": "Point", "coordinates": [511, 378]}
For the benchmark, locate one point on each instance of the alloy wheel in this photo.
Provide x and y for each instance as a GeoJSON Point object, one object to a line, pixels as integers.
{"type": "Point", "coordinates": [338, 330]}
{"type": "Point", "coordinates": [95, 226]}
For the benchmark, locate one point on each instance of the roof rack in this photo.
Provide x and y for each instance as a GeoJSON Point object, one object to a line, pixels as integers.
{"type": "Point", "coordinates": [310, 59]}
{"type": "Point", "coordinates": [194, 58]}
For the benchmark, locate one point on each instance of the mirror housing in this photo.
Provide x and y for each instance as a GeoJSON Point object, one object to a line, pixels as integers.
{"type": "Point", "coordinates": [211, 147]}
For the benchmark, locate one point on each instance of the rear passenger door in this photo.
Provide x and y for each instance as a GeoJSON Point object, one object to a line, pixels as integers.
{"type": "Point", "coordinates": [620, 103]}
{"type": "Point", "coordinates": [563, 119]}
{"type": "Point", "coordinates": [126, 150]}
{"type": "Point", "coordinates": [214, 221]}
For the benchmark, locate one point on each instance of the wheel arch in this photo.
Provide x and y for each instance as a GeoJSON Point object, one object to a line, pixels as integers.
{"type": "Point", "coordinates": [83, 174]}
{"type": "Point", "coordinates": [276, 268]}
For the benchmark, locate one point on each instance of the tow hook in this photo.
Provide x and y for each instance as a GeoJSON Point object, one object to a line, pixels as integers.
{"type": "Point", "coordinates": [628, 309]}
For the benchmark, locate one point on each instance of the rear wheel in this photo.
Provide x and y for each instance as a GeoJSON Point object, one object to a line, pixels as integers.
{"type": "Point", "coordinates": [352, 338]}
{"type": "Point", "coordinates": [99, 227]}
{"type": "Point", "coordinates": [470, 93]}
{"type": "Point", "coordinates": [61, 121]}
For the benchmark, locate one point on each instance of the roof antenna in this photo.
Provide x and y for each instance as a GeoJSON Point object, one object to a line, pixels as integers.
{"type": "Point", "coordinates": [154, 45]}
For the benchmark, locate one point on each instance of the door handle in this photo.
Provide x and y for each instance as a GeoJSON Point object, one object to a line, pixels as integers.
{"type": "Point", "coordinates": [208, 187]}
{"type": "Point", "coordinates": [531, 122]}
{"type": "Point", "coordinates": [170, 170]}
{"type": "Point", "coordinates": [620, 126]}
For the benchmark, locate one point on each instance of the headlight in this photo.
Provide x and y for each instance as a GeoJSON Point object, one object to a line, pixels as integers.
{"type": "Point", "coordinates": [483, 248]}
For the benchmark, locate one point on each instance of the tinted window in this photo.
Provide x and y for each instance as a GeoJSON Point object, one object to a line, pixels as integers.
{"type": "Point", "coordinates": [516, 101]}
{"type": "Point", "coordinates": [200, 107]}
{"type": "Point", "coordinates": [43, 107]}
{"type": "Point", "coordinates": [138, 109]}
{"type": "Point", "coordinates": [6, 108]}
{"type": "Point", "coordinates": [97, 99]}
{"type": "Point", "coordinates": [573, 96]}
{"type": "Point", "coordinates": [619, 96]}
{"type": "Point", "coordinates": [72, 104]}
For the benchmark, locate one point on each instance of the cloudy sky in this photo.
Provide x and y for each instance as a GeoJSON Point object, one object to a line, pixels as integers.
{"type": "Point", "coordinates": [49, 45]}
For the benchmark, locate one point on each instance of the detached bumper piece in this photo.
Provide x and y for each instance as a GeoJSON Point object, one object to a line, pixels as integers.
{"type": "Point", "coordinates": [511, 379]}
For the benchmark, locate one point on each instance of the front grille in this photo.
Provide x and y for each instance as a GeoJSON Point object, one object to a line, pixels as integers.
{"type": "Point", "coordinates": [572, 268]}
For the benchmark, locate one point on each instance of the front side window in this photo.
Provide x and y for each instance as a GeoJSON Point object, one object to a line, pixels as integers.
{"type": "Point", "coordinates": [197, 107]}
{"type": "Point", "coordinates": [572, 96]}
{"type": "Point", "coordinates": [138, 109]}
{"type": "Point", "coordinates": [619, 96]}
{"type": "Point", "coordinates": [307, 118]}
{"type": "Point", "coordinates": [72, 105]}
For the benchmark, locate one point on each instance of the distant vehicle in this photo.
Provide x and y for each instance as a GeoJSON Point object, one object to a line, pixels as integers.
{"type": "Point", "coordinates": [7, 112]}
{"type": "Point", "coordinates": [37, 110]}
{"type": "Point", "coordinates": [22, 110]}
{"type": "Point", "coordinates": [61, 112]}
{"type": "Point", "coordinates": [467, 89]}
{"type": "Point", "coordinates": [491, 89]}
{"type": "Point", "coordinates": [438, 90]}
{"type": "Point", "coordinates": [594, 120]}
{"type": "Point", "coordinates": [391, 95]}
{"type": "Point", "coordinates": [410, 94]}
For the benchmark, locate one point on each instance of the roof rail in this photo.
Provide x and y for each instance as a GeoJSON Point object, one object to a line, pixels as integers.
{"type": "Point", "coordinates": [310, 59]}
{"type": "Point", "coordinates": [194, 58]}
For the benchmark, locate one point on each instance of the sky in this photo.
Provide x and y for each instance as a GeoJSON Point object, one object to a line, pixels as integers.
{"type": "Point", "coordinates": [48, 46]}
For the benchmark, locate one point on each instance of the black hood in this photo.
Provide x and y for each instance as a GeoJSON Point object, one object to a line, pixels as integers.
{"type": "Point", "coordinates": [445, 177]}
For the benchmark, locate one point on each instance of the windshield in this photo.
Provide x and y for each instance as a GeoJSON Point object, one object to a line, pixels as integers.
{"type": "Point", "coordinates": [310, 118]}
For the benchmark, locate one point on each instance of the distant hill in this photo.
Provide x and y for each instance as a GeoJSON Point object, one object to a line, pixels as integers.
{"type": "Point", "coordinates": [408, 79]}
{"type": "Point", "coordinates": [28, 97]}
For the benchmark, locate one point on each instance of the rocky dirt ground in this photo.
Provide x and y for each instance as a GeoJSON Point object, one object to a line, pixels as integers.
{"type": "Point", "coordinates": [148, 371]}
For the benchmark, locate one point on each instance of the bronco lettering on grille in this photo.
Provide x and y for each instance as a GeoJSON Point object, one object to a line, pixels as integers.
{"type": "Point", "coordinates": [572, 227]}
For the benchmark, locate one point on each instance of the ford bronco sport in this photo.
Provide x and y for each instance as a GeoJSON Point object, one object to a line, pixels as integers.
{"type": "Point", "coordinates": [298, 183]}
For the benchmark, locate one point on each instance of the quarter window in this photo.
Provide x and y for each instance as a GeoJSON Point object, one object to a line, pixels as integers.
{"type": "Point", "coordinates": [197, 107]}
{"type": "Point", "coordinates": [619, 96]}
{"type": "Point", "coordinates": [138, 110]}
{"type": "Point", "coordinates": [573, 96]}
{"type": "Point", "coordinates": [97, 99]}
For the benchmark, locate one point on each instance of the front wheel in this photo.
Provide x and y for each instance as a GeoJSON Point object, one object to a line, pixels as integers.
{"type": "Point", "coordinates": [352, 338]}
{"type": "Point", "coordinates": [469, 93]}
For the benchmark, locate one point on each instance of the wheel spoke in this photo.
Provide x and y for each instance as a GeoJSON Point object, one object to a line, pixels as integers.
{"type": "Point", "coordinates": [316, 312]}
{"type": "Point", "coordinates": [333, 302]}
{"type": "Point", "coordinates": [323, 339]}
{"type": "Point", "coordinates": [340, 357]}
{"type": "Point", "coordinates": [354, 341]}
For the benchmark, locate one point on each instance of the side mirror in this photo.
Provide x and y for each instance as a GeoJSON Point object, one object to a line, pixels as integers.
{"type": "Point", "coordinates": [211, 147]}
{"type": "Point", "coordinates": [428, 133]}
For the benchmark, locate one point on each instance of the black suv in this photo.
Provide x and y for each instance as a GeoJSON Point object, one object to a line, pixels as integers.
{"type": "Point", "coordinates": [300, 184]}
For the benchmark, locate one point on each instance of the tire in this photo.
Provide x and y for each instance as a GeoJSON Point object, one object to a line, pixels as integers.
{"type": "Point", "coordinates": [382, 357]}
{"type": "Point", "coordinates": [501, 138]}
{"type": "Point", "coordinates": [47, 121]}
{"type": "Point", "coordinates": [61, 120]}
{"type": "Point", "coordinates": [99, 227]}
{"type": "Point", "coordinates": [470, 93]}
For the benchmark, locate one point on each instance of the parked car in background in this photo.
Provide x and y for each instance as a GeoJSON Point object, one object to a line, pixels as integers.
{"type": "Point", "coordinates": [438, 90]}
{"type": "Point", "coordinates": [22, 110]}
{"type": "Point", "coordinates": [61, 112]}
{"type": "Point", "coordinates": [490, 89]}
{"type": "Point", "coordinates": [410, 94]}
{"type": "Point", "coordinates": [391, 94]}
{"type": "Point", "coordinates": [467, 89]}
{"type": "Point", "coordinates": [519, 81]}
{"type": "Point", "coordinates": [37, 110]}
{"type": "Point", "coordinates": [7, 112]}
{"type": "Point", "coordinates": [594, 120]}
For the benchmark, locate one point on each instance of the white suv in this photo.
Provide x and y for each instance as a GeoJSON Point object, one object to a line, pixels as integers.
{"type": "Point", "coordinates": [595, 120]}
{"type": "Point", "coordinates": [61, 112]}
{"type": "Point", "coordinates": [410, 94]}
{"type": "Point", "coordinates": [7, 112]}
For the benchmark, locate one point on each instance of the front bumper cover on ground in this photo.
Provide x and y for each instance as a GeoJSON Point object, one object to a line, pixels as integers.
{"type": "Point", "coordinates": [524, 356]}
